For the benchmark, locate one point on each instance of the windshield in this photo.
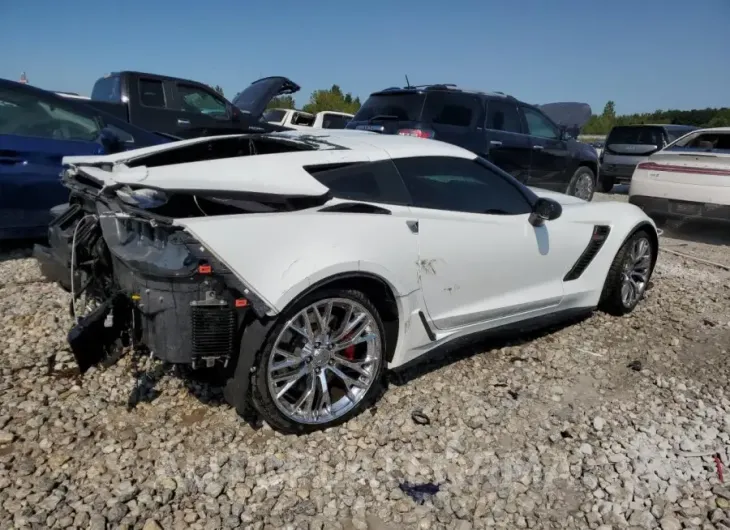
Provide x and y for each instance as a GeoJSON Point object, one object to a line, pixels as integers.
{"type": "Point", "coordinates": [402, 106]}
{"type": "Point", "coordinates": [635, 136]}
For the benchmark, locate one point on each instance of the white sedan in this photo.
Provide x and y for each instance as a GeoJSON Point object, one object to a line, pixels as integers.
{"type": "Point", "coordinates": [308, 264]}
{"type": "Point", "coordinates": [688, 179]}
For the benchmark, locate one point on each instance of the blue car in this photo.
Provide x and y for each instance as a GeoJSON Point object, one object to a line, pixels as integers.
{"type": "Point", "coordinates": [37, 129]}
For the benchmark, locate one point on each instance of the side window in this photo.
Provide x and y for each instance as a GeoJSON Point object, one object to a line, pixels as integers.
{"type": "Point", "coordinates": [369, 182]}
{"type": "Point", "coordinates": [460, 184]}
{"type": "Point", "coordinates": [503, 116]}
{"type": "Point", "coordinates": [301, 118]}
{"type": "Point", "coordinates": [151, 93]}
{"type": "Point", "coordinates": [25, 114]}
{"type": "Point", "coordinates": [123, 135]}
{"type": "Point", "coordinates": [539, 125]}
{"type": "Point", "coordinates": [455, 109]}
{"type": "Point", "coordinates": [200, 101]}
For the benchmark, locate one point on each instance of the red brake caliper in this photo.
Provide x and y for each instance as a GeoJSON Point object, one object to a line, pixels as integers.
{"type": "Point", "coordinates": [349, 352]}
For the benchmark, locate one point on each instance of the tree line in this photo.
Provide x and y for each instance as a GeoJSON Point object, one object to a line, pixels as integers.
{"type": "Point", "coordinates": [326, 99]}
{"type": "Point", "coordinates": [709, 117]}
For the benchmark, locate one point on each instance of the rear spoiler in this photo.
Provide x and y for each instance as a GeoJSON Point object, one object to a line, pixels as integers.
{"type": "Point", "coordinates": [571, 115]}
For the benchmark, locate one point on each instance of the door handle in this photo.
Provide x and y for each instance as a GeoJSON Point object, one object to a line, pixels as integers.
{"type": "Point", "coordinates": [495, 143]}
{"type": "Point", "coordinates": [538, 147]}
{"type": "Point", "coordinates": [183, 122]}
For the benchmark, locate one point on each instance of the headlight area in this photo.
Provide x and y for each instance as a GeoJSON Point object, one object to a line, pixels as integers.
{"type": "Point", "coordinates": [157, 289]}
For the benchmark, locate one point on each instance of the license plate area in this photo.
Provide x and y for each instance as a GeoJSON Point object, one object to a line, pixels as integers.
{"type": "Point", "coordinates": [685, 208]}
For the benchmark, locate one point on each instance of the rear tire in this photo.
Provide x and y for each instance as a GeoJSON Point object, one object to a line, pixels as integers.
{"type": "Point", "coordinates": [629, 275]}
{"type": "Point", "coordinates": [583, 183]}
{"type": "Point", "coordinates": [313, 358]}
{"type": "Point", "coordinates": [607, 184]}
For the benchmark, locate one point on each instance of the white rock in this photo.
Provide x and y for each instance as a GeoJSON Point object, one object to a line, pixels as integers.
{"type": "Point", "coordinates": [598, 423]}
{"type": "Point", "coordinates": [586, 449]}
{"type": "Point", "coordinates": [670, 523]}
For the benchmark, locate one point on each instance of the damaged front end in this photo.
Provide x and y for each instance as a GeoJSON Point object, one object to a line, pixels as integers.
{"type": "Point", "coordinates": [146, 282]}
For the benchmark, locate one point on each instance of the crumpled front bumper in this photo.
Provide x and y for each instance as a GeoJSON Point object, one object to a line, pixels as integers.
{"type": "Point", "coordinates": [159, 284]}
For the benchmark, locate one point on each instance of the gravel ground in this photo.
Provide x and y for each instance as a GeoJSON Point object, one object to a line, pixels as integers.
{"type": "Point", "coordinates": [607, 423]}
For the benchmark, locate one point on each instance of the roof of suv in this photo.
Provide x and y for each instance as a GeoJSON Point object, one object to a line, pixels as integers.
{"type": "Point", "coordinates": [663, 125]}
{"type": "Point", "coordinates": [441, 87]}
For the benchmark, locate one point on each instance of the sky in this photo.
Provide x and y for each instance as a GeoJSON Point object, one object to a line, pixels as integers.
{"type": "Point", "coordinates": [643, 54]}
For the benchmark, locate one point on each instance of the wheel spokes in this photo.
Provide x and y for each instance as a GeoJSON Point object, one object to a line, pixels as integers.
{"type": "Point", "coordinates": [290, 380]}
{"type": "Point", "coordinates": [352, 365]}
{"type": "Point", "coordinates": [310, 379]}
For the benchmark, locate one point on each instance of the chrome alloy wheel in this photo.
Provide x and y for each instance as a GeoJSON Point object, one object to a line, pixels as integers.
{"type": "Point", "coordinates": [324, 361]}
{"type": "Point", "coordinates": [635, 272]}
{"type": "Point", "coordinates": [584, 187]}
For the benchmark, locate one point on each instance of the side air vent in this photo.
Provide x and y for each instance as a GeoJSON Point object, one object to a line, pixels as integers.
{"type": "Point", "coordinates": [599, 236]}
{"type": "Point", "coordinates": [355, 207]}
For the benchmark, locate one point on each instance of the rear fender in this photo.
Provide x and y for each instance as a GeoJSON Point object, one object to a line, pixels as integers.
{"type": "Point", "coordinates": [280, 255]}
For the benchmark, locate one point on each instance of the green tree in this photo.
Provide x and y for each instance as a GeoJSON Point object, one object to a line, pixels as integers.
{"type": "Point", "coordinates": [281, 102]}
{"type": "Point", "coordinates": [332, 99]}
{"type": "Point", "coordinates": [218, 89]}
{"type": "Point", "coordinates": [609, 111]}
{"type": "Point", "coordinates": [709, 117]}
{"type": "Point", "coordinates": [721, 119]}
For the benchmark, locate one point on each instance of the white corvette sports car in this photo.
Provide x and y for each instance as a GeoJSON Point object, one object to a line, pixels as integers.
{"type": "Point", "coordinates": [308, 263]}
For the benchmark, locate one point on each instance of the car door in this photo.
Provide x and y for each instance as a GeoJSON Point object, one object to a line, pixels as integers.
{"type": "Point", "coordinates": [480, 260]}
{"type": "Point", "coordinates": [151, 105]}
{"type": "Point", "coordinates": [35, 134]}
{"type": "Point", "coordinates": [456, 118]}
{"type": "Point", "coordinates": [506, 144]}
{"type": "Point", "coordinates": [550, 155]}
{"type": "Point", "coordinates": [200, 109]}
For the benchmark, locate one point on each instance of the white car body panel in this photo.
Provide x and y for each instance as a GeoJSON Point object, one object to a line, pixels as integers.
{"type": "Point", "coordinates": [692, 176]}
{"type": "Point", "coordinates": [463, 272]}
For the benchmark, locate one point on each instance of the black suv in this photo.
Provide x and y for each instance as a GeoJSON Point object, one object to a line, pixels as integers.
{"type": "Point", "coordinates": [522, 139]}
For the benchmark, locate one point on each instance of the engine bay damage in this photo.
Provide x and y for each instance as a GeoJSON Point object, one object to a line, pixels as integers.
{"type": "Point", "coordinates": [146, 282]}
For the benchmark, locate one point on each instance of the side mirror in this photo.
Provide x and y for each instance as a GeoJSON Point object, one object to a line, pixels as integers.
{"type": "Point", "coordinates": [110, 142]}
{"type": "Point", "coordinates": [545, 210]}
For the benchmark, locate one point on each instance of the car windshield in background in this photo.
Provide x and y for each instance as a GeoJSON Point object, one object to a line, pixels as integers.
{"type": "Point", "coordinates": [714, 142]}
{"type": "Point", "coordinates": [403, 106]}
{"type": "Point", "coordinates": [635, 136]}
{"type": "Point", "coordinates": [274, 115]}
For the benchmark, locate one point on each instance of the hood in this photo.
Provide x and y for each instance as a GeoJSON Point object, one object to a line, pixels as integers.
{"type": "Point", "coordinates": [571, 115]}
{"type": "Point", "coordinates": [562, 198]}
{"type": "Point", "coordinates": [254, 99]}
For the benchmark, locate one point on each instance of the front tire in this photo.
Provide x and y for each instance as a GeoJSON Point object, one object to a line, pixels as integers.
{"type": "Point", "coordinates": [629, 275]}
{"type": "Point", "coordinates": [322, 363]}
{"type": "Point", "coordinates": [583, 184]}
